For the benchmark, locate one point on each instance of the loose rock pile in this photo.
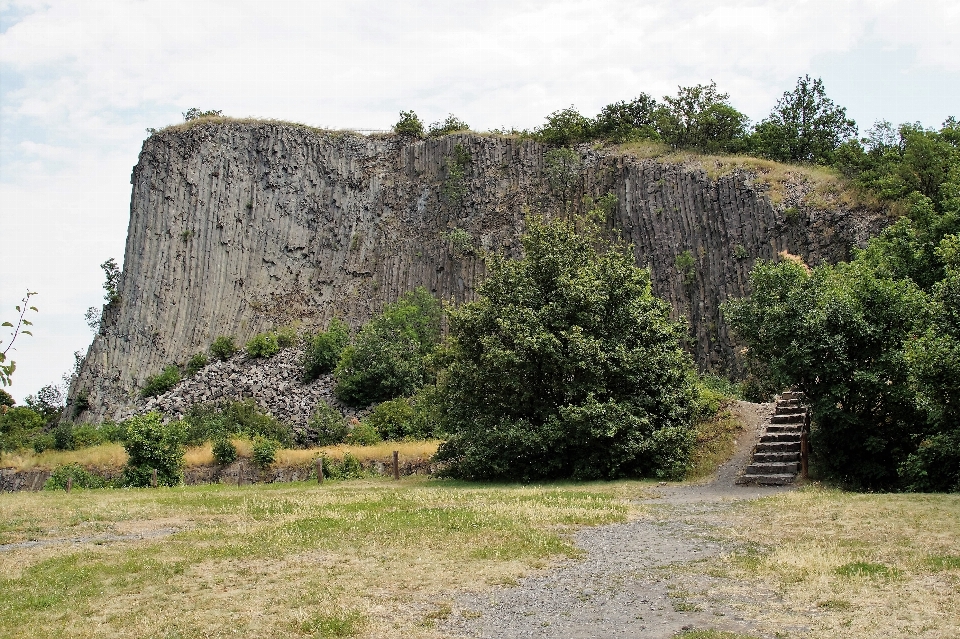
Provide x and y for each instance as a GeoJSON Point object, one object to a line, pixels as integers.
{"type": "Point", "coordinates": [275, 383]}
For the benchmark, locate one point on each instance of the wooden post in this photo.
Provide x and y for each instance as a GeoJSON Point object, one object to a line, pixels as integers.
{"type": "Point", "coordinates": [396, 464]}
{"type": "Point", "coordinates": [69, 484]}
{"type": "Point", "coordinates": [319, 470]}
{"type": "Point", "coordinates": [153, 478]}
{"type": "Point", "coordinates": [239, 473]}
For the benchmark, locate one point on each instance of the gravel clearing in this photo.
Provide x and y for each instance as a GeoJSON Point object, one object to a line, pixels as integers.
{"type": "Point", "coordinates": [626, 584]}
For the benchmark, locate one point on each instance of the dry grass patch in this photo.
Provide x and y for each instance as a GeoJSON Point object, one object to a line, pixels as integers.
{"type": "Point", "coordinates": [104, 456]}
{"type": "Point", "coordinates": [846, 565]}
{"type": "Point", "coordinates": [363, 558]}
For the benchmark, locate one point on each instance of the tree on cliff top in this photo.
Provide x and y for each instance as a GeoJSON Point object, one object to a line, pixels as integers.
{"type": "Point", "coordinates": [566, 366]}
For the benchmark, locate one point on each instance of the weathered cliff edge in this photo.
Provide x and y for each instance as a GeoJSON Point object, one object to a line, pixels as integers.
{"type": "Point", "coordinates": [237, 227]}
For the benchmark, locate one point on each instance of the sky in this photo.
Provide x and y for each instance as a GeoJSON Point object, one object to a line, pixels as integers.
{"type": "Point", "coordinates": [80, 82]}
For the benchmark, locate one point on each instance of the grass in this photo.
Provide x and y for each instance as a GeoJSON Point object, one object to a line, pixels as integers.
{"type": "Point", "coordinates": [360, 558]}
{"type": "Point", "coordinates": [823, 187]}
{"type": "Point", "coordinates": [716, 443]}
{"type": "Point", "coordinates": [113, 456]}
{"type": "Point", "coordinates": [842, 564]}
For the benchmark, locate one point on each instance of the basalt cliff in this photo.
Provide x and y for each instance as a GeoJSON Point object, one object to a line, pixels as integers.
{"type": "Point", "coordinates": [238, 227]}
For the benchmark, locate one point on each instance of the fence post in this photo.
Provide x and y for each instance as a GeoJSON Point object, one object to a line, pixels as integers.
{"type": "Point", "coordinates": [396, 464]}
{"type": "Point", "coordinates": [153, 478]}
{"type": "Point", "coordinates": [240, 474]}
{"type": "Point", "coordinates": [319, 470]}
{"type": "Point", "coordinates": [69, 484]}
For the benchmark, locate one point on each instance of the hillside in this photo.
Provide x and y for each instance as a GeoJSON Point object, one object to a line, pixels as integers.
{"type": "Point", "coordinates": [240, 226]}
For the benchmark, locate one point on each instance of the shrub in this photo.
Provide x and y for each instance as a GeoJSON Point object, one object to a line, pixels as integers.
{"type": "Point", "coordinates": [263, 345]}
{"type": "Point", "coordinates": [42, 442]}
{"type": "Point", "coordinates": [264, 451]}
{"type": "Point", "coordinates": [392, 419]}
{"type": "Point", "coordinates": [152, 445]}
{"type": "Point", "coordinates": [215, 420]}
{"type": "Point", "coordinates": [82, 478]}
{"type": "Point", "coordinates": [363, 434]}
{"type": "Point", "coordinates": [286, 336]}
{"type": "Point", "coordinates": [566, 366]}
{"type": "Point", "coordinates": [329, 425]}
{"type": "Point", "coordinates": [223, 348]}
{"type": "Point", "coordinates": [63, 436]}
{"type": "Point", "coordinates": [224, 451]}
{"type": "Point", "coordinates": [162, 382]}
{"type": "Point", "coordinates": [324, 349]}
{"type": "Point", "coordinates": [451, 125]}
{"type": "Point", "coordinates": [391, 354]}
{"type": "Point", "coordinates": [196, 363]}
{"type": "Point", "coordinates": [18, 427]}
{"type": "Point", "coordinates": [348, 468]}
{"type": "Point", "coordinates": [409, 124]}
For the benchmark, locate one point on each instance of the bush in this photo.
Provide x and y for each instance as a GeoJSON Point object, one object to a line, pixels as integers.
{"type": "Point", "coordinates": [392, 419]}
{"type": "Point", "coordinates": [152, 445]}
{"type": "Point", "coordinates": [263, 345]}
{"type": "Point", "coordinates": [82, 478]}
{"type": "Point", "coordinates": [224, 451]}
{"type": "Point", "coordinates": [42, 442]}
{"type": "Point", "coordinates": [18, 427]}
{"type": "Point", "coordinates": [63, 436]}
{"type": "Point", "coordinates": [451, 125]}
{"type": "Point", "coordinates": [286, 336]}
{"type": "Point", "coordinates": [390, 357]}
{"type": "Point", "coordinates": [264, 451]}
{"type": "Point", "coordinates": [363, 434]}
{"type": "Point", "coordinates": [196, 363]}
{"type": "Point", "coordinates": [348, 468]}
{"type": "Point", "coordinates": [329, 425]}
{"type": "Point", "coordinates": [324, 350]}
{"type": "Point", "coordinates": [409, 124]}
{"type": "Point", "coordinates": [223, 348]}
{"type": "Point", "coordinates": [566, 366]}
{"type": "Point", "coordinates": [215, 420]}
{"type": "Point", "coordinates": [162, 382]}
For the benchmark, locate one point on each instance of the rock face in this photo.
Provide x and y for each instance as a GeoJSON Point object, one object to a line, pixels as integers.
{"type": "Point", "coordinates": [238, 227]}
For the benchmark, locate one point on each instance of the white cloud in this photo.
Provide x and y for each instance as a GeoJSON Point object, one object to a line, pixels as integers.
{"type": "Point", "coordinates": [82, 79]}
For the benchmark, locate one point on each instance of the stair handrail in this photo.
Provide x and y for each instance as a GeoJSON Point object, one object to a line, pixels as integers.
{"type": "Point", "coordinates": [805, 444]}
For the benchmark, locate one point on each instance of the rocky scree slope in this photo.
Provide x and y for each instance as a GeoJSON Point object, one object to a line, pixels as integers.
{"type": "Point", "coordinates": [237, 227]}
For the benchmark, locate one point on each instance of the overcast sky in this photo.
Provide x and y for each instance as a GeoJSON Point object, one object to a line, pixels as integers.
{"type": "Point", "coordinates": [81, 81]}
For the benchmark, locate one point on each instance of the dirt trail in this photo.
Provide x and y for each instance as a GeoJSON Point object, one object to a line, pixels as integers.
{"type": "Point", "coordinates": [624, 586]}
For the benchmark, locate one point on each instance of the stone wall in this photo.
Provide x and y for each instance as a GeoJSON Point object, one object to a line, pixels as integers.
{"type": "Point", "coordinates": [238, 227]}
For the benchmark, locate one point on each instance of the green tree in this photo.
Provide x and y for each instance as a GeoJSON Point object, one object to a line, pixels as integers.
{"type": "Point", "coordinates": [701, 118]}
{"type": "Point", "coordinates": [804, 126]}
{"type": "Point", "coordinates": [565, 127]}
{"type": "Point", "coordinates": [324, 349]}
{"type": "Point", "coordinates": [625, 121]}
{"type": "Point", "coordinates": [409, 124]}
{"type": "Point", "coordinates": [18, 426]}
{"type": "Point", "coordinates": [566, 366]}
{"type": "Point", "coordinates": [152, 445]}
{"type": "Point", "coordinates": [111, 283]}
{"type": "Point", "coordinates": [390, 356]}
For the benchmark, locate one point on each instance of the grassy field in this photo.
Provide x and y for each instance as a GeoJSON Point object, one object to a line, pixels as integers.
{"type": "Point", "coordinates": [366, 557]}
{"type": "Point", "coordinates": [847, 565]}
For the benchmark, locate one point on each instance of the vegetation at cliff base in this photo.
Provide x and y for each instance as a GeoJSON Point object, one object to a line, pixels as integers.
{"type": "Point", "coordinates": [566, 366]}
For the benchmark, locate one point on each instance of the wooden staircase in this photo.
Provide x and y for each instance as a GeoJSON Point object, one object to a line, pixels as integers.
{"type": "Point", "coordinates": [778, 456]}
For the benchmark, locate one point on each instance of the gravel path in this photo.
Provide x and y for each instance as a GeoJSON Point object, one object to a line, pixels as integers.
{"type": "Point", "coordinates": [624, 586]}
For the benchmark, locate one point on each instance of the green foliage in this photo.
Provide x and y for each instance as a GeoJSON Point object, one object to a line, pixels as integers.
{"type": "Point", "coordinates": [363, 434]}
{"type": "Point", "coordinates": [562, 167]}
{"type": "Point", "coordinates": [216, 420]}
{"type": "Point", "coordinates": [224, 451]}
{"type": "Point", "coordinates": [81, 477]}
{"type": "Point", "coordinates": [347, 468]}
{"type": "Point", "coordinates": [194, 113]}
{"type": "Point", "coordinates": [81, 402]}
{"type": "Point", "coordinates": [264, 451]}
{"type": "Point", "coordinates": [461, 242]}
{"type": "Point", "coordinates": [390, 356]}
{"type": "Point", "coordinates": [450, 125]}
{"type": "Point", "coordinates": [6, 370]}
{"type": "Point", "coordinates": [286, 336]}
{"type": "Point", "coordinates": [223, 348]}
{"type": "Point", "coordinates": [6, 399]}
{"type": "Point", "coordinates": [196, 363]}
{"type": "Point", "coordinates": [685, 266]}
{"type": "Point", "coordinates": [566, 366]}
{"type": "Point", "coordinates": [161, 382]}
{"type": "Point", "coordinates": [152, 445]}
{"type": "Point", "coordinates": [699, 117]}
{"type": "Point", "coordinates": [409, 124]}
{"type": "Point", "coordinates": [324, 349]}
{"type": "Point", "coordinates": [804, 126]}
{"type": "Point", "coordinates": [628, 121]}
{"type": "Point", "coordinates": [111, 281]}
{"type": "Point", "coordinates": [392, 419]}
{"type": "Point", "coordinates": [18, 426]}
{"type": "Point", "coordinates": [565, 127]}
{"type": "Point", "coordinates": [263, 345]}
{"type": "Point", "coordinates": [454, 184]}
{"type": "Point", "coordinates": [328, 425]}
{"type": "Point", "coordinates": [48, 403]}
